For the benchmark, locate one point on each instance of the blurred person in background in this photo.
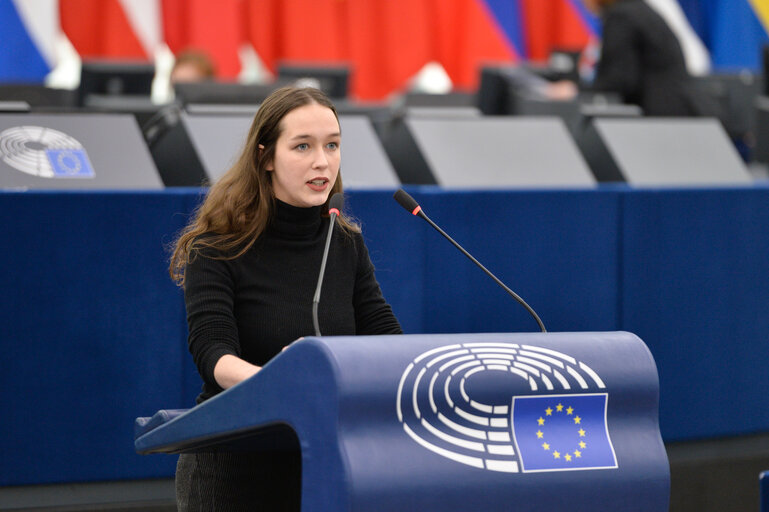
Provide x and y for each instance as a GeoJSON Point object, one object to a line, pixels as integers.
{"type": "Point", "coordinates": [642, 60]}
{"type": "Point", "coordinates": [192, 66]}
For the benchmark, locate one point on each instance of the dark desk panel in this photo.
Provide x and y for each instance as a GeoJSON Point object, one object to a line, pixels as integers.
{"type": "Point", "coordinates": [210, 143]}
{"type": "Point", "coordinates": [487, 153]}
{"type": "Point", "coordinates": [653, 152]}
{"type": "Point", "coordinates": [74, 152]}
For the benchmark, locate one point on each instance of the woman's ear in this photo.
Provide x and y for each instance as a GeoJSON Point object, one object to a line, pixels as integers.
{"type": "Point", "coordinates": [269, 166]}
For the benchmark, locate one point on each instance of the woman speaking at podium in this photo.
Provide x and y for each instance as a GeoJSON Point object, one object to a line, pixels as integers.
{"type": "Point", "coordinates": [249, 262]}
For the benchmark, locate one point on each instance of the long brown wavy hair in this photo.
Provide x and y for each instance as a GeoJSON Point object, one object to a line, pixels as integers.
{"type": "Point", "coordinates": [240, 204]}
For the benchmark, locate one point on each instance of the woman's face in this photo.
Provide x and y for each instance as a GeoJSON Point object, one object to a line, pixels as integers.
{"type": "Point", "coordinates": [307, 156]}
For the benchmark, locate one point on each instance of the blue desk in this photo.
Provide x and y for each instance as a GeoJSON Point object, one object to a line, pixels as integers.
{"type": "Point", "coordinates": [452, 422]}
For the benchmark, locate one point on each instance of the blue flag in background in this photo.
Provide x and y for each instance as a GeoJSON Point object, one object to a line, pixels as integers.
{"type": "Point", "coordinates": [20, 59]}
{"type": "Point", "coordinates": [562, 432]}
{"type": "Point", "coordinates": [733, 30]}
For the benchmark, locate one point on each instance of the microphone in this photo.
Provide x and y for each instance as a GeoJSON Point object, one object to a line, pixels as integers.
{"type": "Point", "coordinates": [410, 204]}
{"type": "Point", "coordinates": [335, 206]}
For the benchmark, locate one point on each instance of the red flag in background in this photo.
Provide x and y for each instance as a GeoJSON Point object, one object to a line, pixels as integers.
{"type": "Point", "coordinates": [217, 28]}
{"type": "Point", "coordinates": [385, 42]}
{"type": "Point", "coordinates": [100, 29]}
{"type": "Point", "coordinates": [389, 42]}
{"type": "Point", "coordinates": [261, 17]}
{"type": "Point", "coordinates": [553, 24]}
{"type": "Point", "coordinates": [298, 30]}
{"type": "Point", "coordinates": [468, 37]}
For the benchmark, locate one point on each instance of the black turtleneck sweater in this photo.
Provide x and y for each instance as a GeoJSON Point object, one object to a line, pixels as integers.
{"type": "Point", "coordinates": [255, 305]}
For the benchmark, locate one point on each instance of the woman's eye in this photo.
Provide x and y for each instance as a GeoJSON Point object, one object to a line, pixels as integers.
{"type": "Point", "coordinates": [332, 145]}
{"type": "Point", "coordinates": [302, 147]}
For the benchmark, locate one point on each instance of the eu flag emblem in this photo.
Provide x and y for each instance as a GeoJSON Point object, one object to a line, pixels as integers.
{"type": "Point", "coordinates": [562, 432]}
{"type": "Point", "coordinates": [70, 163]}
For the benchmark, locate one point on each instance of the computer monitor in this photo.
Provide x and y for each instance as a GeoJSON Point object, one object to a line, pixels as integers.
{"type": "Point", "coordinates": [333, 79]}
{"type": "Point", "coordinates": [38, 96]}
{"type": "Point", "coordinates": [212, 92]}
{"type": "Point", "coordinates": [500, 86]}
{"type": "Point", "coordinates": [115, 78]}
{"type": "Point", "coordinates": [563, 64]}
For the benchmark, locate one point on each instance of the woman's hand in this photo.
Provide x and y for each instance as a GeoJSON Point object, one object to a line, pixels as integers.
{"type": "Point", "coordinates": [230, 370]}
{"type": "Point", "coordinates": [298, 339]}
{"type": "Point", "coordinates": [562, 90]}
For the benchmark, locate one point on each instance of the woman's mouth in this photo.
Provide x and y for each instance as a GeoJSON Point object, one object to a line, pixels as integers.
{"type": "Point", "coordinates": [318, 184]}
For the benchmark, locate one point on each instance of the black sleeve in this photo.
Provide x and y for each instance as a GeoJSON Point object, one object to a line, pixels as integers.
{"type": "Point", "coordinates": [373, 315]}
{"type": "Point", "coordinates": [209, 298]}
{"type": "Point", "coordinates": [619, 68]}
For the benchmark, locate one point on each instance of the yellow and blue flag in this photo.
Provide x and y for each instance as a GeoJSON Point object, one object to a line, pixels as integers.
{"type": "Point", "coordinates": [733, 30]}
{"type": "Point", "coordinates": [563, 432]}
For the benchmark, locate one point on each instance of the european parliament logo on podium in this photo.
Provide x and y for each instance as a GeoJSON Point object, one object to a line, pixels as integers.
{"type": "Point", "coordinates": [44, 152]}
{"type": "Point", "coordinates": [502, 407]}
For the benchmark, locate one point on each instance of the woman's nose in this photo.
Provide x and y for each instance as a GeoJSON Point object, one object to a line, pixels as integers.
{"type": "Point", "coordinates": [319, 159]}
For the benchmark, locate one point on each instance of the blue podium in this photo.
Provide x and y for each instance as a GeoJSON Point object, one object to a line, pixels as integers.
{"type": "Point", "coordinates": [454, 422]}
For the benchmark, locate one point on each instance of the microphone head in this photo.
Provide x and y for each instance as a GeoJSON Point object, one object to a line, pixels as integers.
{"type": "Point", "coordinates": [336, 203]}
{"type": "Point", "coordinates": [406, 201]}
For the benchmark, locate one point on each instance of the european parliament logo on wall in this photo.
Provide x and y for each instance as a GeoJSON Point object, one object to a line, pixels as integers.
{"type": "Point", "coordinates": [507, 407]}
{"type": "Point", "coordinates": [44, 152]}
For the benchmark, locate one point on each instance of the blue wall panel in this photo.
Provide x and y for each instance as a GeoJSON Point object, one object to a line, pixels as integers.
{"type": "Point", "coordinates": [397, 251]}
{"type": "Point", "coordinates": [91, 333]}
{"type": "Point", "coordinates": [94, 331]}
{"type": "Point", "coordinates": [696, 289]}
{"type": "Point", "coordinates": [556, 249]}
